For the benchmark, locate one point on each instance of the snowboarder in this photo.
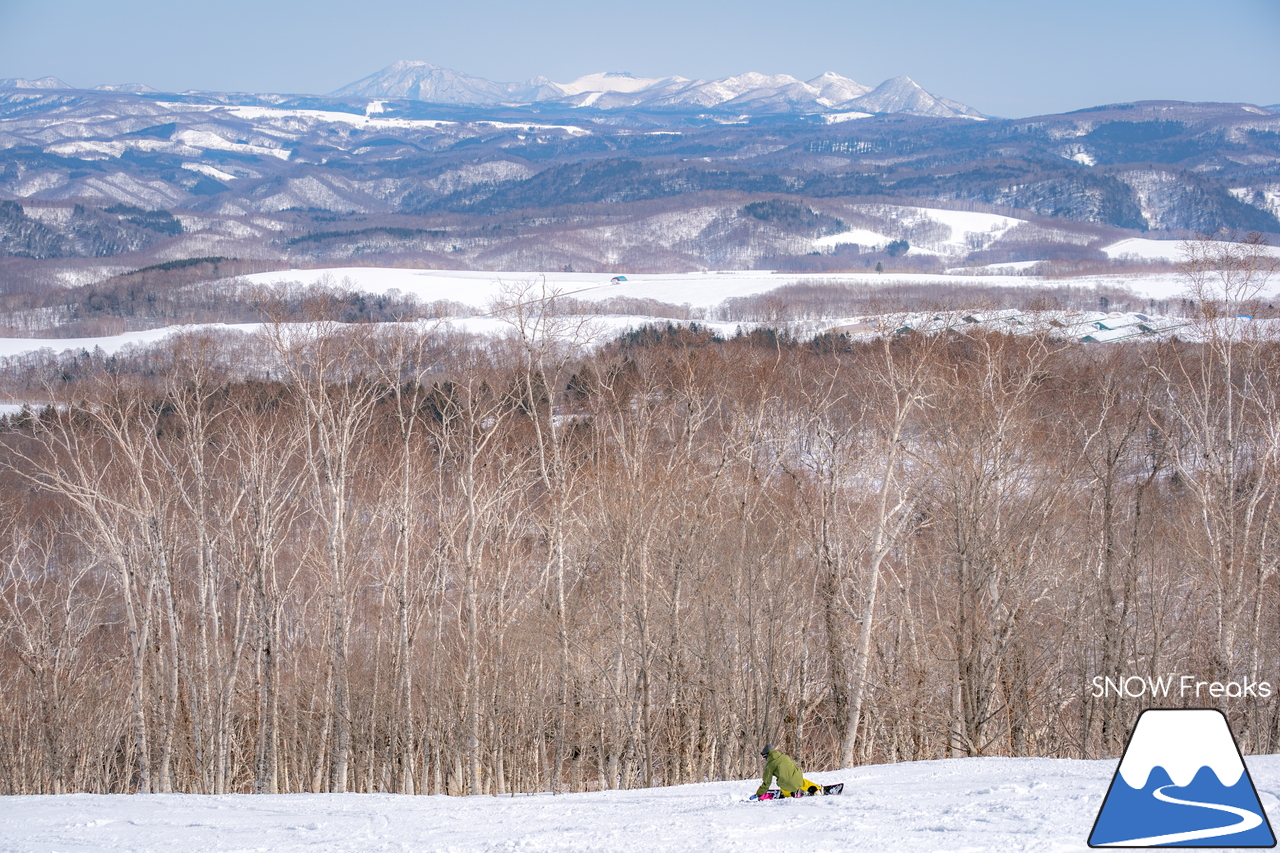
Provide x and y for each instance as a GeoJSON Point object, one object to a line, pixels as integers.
{"type": "Point", "coordinates": [790, 779]}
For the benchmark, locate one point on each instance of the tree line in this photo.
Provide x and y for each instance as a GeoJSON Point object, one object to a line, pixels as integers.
{"type": "Point", "coordinates": [359, 557]}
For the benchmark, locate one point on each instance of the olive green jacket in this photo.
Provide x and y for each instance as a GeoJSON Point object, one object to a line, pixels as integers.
{"type": "Point", "coordinates": [781, 765]}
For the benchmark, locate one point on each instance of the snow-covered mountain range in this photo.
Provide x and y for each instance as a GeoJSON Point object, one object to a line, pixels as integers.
{"type": "Point", "coordinates": [25, 83]}
{"type": "Point", "coordinates": [752, 93]}
{"type": "Point", "coordinates": [55, 83]}
{"type": "Point", "coordinates": [756, 180]}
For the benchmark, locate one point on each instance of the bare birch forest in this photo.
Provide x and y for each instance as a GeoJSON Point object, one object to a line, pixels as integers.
{"type": "Point", "coordinates": [384, 558]}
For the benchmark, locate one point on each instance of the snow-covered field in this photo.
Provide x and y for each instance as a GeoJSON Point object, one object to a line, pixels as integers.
{"type": "Point", "coordinates": [698, 290]}
{"type": "Point", "coordinates": [1156, 250]}
{"type": "Point", "coordinates": [977, 804]}
{"type": "Point", "coordinates": [594, 330]}
{"type": "Point", "coordinates": [110, 344]}
{"type": "Point", "coordinates": [1144, 249]}
{"type": "Point", "coordinates": [479, 289]}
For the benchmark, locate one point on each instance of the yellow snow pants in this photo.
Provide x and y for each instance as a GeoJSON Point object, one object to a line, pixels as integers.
{"type": "Point", "coordinates": [807, 786]}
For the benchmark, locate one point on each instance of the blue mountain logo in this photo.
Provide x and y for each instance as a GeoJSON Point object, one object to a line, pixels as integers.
{"type": "Point", "coordinates": [1182, 783]}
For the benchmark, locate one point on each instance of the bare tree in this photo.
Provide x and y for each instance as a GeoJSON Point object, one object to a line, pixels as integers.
{"type": "Point", "coordinates": [50, 616]}
{"type": "Point", "coordinates": [324, 362]}
{"type": "Point", "coordinates": [903, 374]}
{"type": "Point", "coordinates": [1220, 429]}
{"type": "Point", "coordinates": [547, 343]}
{"type": "Point", "coordinates": [994, 494]}
{"type": "Point", "coordinates": [99, 458]}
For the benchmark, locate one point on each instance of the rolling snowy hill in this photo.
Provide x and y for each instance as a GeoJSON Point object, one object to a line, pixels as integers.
{"type": "Point", "coordinates": [974, 805]}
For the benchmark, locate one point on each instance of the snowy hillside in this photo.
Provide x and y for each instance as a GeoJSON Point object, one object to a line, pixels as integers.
{"type": "Point", "coordinates": [1161, 250]}
{"type": "Point", "coordinates": [977, 804]}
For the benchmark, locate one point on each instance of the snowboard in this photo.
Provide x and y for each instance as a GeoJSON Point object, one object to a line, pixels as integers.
{"type": "Point", "coordinates": [827, 791]}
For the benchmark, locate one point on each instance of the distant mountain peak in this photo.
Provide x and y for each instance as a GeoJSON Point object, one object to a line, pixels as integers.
{"type": "Point", "coordinates": [403, 64]}
{"type": "Point", "coordinates": [904, 95]}
{"type": "Point", "coordinates": [40, 83]}
{"type": "Point", "coordinates": [835, 89]}
{"type": "Point", "coordinates": [421, 81]}
{"type": "Point", "coordinates": [614, 81]}
{"type": "Point", "coordinates": [129, 88]}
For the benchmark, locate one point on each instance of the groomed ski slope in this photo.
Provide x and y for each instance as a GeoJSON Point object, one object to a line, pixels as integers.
{"type": "Point", "coordinates": [977, 804]}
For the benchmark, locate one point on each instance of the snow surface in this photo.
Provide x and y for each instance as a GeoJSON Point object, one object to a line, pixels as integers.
{"type": "Point", "coordinates": [479, 289]}
{"type": "Point", "coordinates": [698, 289]}
{"type": "Point", "coordinates": [607, 81]}
{"type": "Point", "coordinates": [1147, 250]}
{"type": "Point", "coordinates": [969, 230]}
{"type": "Point", "coordinates": [86, 149]}
{"type": "Point", "coordinates": [837, 118]}
{"type": "Point", "coordinates": [364, 120]}
{"type": "Point", "coordinates": [974, 804]}
{"type": "Point", "coordinates": [110, 344]}
{"type": "Point", "coordinates": [570, 129]}
{"type": "Point", "coordinates": [367, 120]}
{"type": "Point", "coordinates": [1007, 265]}
{"type": "Point", "coordinates": [859, 236]}
{"type": "Point", "coordinates": [1159, 250]}
{"type": "Point", "coordinates": [964, 224]}
{"type": "Point", "coordinates": [212, 171]}
{"type": "Point", "coordinates": [595, 330]}
{"type": "Point", "coordinates": [204, 139]}
{"type": "Point", "coordinates": [965, 221]}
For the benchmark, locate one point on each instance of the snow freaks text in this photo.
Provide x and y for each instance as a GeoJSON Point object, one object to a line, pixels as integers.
{"type": "Point", "coordinates": [1179, 686]}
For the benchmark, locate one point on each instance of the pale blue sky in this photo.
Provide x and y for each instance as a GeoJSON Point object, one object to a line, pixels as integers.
{"type": "Point", "coordinates": [1004, 57]}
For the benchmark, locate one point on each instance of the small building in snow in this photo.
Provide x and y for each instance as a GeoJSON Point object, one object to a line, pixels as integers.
{"type": "Point", "coordinates": [1011, 316]}
{"type": "Point", "coordinates": [1120, 321]}
{"type": "Point", "coordinates": [1106, 336]}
